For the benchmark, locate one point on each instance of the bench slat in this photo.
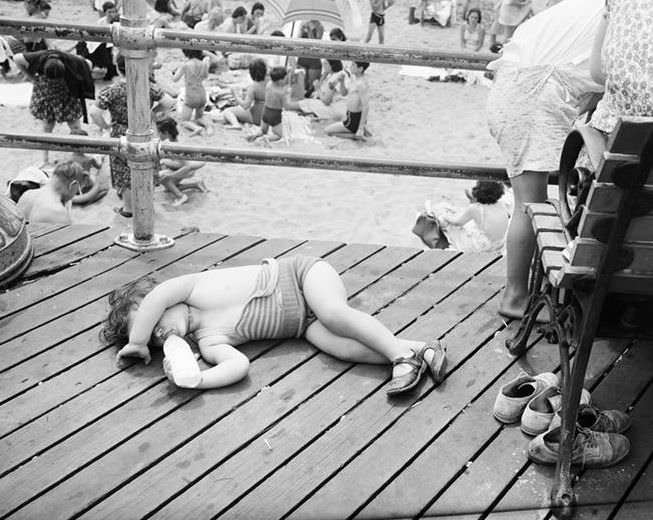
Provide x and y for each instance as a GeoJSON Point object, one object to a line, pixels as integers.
{"type": "Point", "coordinates": [640, 229]}
{"type": "Point", "coordinates": [587, 253]}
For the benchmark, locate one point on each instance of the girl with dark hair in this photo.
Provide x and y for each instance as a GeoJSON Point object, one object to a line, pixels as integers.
{"type": "Point", "coordinates": [337, 35]}
{"type": "Point", "coordinates": [250, 107]}
{"type": "Point", "coordinates": [194, 70]}
{"type": "Point", "coordinates": [62, 82]}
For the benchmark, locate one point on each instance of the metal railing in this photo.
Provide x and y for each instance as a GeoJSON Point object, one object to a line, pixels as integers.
{"type": "Point", "coordinates": [136, 39]}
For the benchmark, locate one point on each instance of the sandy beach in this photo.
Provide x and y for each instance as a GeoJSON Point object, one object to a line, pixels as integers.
{"type": "Point", "coordinates": [411, 118]}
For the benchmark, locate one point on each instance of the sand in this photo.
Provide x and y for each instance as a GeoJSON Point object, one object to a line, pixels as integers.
{"type": "Point", "coordinates": [411, 118]}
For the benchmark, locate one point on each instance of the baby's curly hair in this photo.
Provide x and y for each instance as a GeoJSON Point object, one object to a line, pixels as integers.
{"type": "Point", "coordinates": [115, 330]}
{"type": "Point", "coordinates": [487, 192]}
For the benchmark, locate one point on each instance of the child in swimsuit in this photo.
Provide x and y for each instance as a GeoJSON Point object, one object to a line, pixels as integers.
{"type": "Point", "coordinates": [194, 70]}
{"type": "Point", "coordinates": [276, 99]}
{"type": "Point", "coordinates": [297, 296]}
{"type": "Point", "coordinates": [173, 172]}
{"type": "Point", "coordinates": [357, 93]}
{"type": "Point", "coordinates": [377, 18]}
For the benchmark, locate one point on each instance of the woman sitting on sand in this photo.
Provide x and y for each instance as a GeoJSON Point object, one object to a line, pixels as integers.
{"type": "Point", "coordinates": [488, 213]}
{"type": "Point", "coordinates": [327, 101]}
{"type": "Point", "coordinates": [472, 33]}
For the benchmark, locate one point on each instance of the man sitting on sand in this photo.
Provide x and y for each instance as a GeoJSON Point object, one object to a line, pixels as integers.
{"type": "Point", "coordinates": [51, 203]}
{"type": "Point", "coordinates": [358, 104]}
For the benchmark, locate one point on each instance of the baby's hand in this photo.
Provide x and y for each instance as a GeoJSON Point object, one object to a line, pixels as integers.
{"type": "Point", "coordinates": [134, 350]}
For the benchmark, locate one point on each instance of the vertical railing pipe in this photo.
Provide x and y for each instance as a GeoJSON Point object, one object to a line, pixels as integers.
{"type": "Point", "coordinates": [135, 40]}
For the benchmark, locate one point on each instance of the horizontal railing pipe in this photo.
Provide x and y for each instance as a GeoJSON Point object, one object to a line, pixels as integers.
{"type": "Point", "coordinates": [62, 143]}
{"type": "Point", "coordinates": [167, 38]}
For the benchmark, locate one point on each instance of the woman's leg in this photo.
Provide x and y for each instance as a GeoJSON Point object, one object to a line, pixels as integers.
{"type": "Point", "coordinates": [48, 127]}
{"type": "Point", "coordinates": [520, 242]}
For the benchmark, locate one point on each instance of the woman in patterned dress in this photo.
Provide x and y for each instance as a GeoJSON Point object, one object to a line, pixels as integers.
{"type": "Point", "coordinates": [622, 59]}
{"type": "Point", "coordinates": [56, 92]}
{"type": "Point", "coordinates": [114, 99]}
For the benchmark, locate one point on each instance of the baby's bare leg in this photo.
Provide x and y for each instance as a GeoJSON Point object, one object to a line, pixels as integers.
{"type": "Point", "coordinates": [327, 298]}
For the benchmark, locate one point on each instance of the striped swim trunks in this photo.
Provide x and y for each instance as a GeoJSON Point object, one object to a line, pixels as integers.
{"type": "Point", "coordinates": [277, 309]}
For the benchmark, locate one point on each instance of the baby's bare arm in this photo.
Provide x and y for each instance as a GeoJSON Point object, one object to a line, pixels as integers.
{"type": "Point", "coordinates": [231, 366]}
{"type": "Point", "coordinates": [167, 294]}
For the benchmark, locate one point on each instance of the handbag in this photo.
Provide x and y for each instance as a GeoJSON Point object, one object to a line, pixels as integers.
{"type": "Point", "coordinates": [428, 229]}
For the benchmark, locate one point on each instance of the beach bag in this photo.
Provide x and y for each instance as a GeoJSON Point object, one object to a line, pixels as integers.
{"type": "Point", "coordinates": [427, 228]}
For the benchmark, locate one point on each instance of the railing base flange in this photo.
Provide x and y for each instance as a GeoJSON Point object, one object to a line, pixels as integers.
{"type": "Point", "coordinates": [128, 241]}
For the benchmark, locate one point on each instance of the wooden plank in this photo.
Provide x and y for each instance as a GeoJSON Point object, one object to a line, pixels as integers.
{"type": "Point", "coordinates": [639, 502]}
{"type": "Point", "coordinates": [343, 435]}
{"type": "Point", "coordinates": [554, 240]}
{"type": "Point", "coordinates": [612, 162]}
{"type": "Point", "coordinates": [37, 291]}
{"type": "Point", "coordinates": [630, 135]}
{"type": "Point", "coordinates": [482, 474]}
{"type": "Point", "coordinates": [50, 466]}
{"type": "Point", "coordinates": [368, 474]}
{"type": "Point", "coordinates": [540, 208]}
{"type": "Point", "coordinates": [85, 282]}
{"type": "Point", "coordinates": [38, 229]}
{"type": "Point", "coordinates": [67, 255]}
{"type": "Point", "coordinates": [639, 230]}
{"type": "Point", "coordinates": [36, 401]}
{"type": "Point", "coordinates": [543, 223]}
{"type": "Point", "coordinates": [587, 252]}
{"type": "Point", "coordinates": [533, 486]}
{"type": "Point", "coordinates": [185, 426]}
{"type": "Point", "coordinates": [63, 237]}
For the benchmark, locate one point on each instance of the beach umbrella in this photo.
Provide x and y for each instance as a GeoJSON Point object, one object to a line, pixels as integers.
{"type": "Point", "coordinates": [340, 13]}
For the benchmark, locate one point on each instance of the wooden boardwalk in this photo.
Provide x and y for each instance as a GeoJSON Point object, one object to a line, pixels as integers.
{"type": "Point", "coordinates": [305, 435]}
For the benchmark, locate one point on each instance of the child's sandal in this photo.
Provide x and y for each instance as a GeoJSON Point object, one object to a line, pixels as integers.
{"type": "Point", "coordinates": [405, 382]}
{"type": "Point", "coordinates": [438, 364]}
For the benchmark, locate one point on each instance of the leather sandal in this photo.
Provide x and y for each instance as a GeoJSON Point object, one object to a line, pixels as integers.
{"type": "Point", "coordinates": [409, 380]}
{"type": "Point", "coordinates": [438, 364]}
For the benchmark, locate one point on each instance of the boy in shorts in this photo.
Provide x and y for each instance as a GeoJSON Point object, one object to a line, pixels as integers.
{"type": "Point", "coordinates": [377, 18]}
{"type": "Point", "coordinates": [291, 297]}
{"type": "Point", "coordinates": [358, 103]}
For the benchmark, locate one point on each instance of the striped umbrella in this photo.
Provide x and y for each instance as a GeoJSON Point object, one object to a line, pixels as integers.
{"type": "Point", "coordinates": [336, 12]}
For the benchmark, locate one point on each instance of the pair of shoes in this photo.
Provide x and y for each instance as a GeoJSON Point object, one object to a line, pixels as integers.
{"type": "Point", "coordinates": [540, 410]}
{"type": "Point", "coordinates": [591, 449]}
{"type": "Point", "coordinates": [438, 364]}
{"type": "Point", "coordinates": [590, 417]}
{"type": "Point", "coordinates": [402, 383]}
{"type": "Point", "coordinates": [515, 395]}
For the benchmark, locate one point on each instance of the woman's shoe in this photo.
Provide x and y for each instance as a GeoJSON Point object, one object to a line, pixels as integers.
{"type": "Point", "coordinates": [438, 364]}
{"type": "Point", "coordinates": [409, 380]}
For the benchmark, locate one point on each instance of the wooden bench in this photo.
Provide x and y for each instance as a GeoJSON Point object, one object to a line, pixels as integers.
{"type": "Point", "coordinates": [592, 268]}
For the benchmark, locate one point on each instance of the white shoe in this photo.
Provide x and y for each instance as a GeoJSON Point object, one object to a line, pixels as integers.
{"type": "Point", "coordinates": [515, 395]}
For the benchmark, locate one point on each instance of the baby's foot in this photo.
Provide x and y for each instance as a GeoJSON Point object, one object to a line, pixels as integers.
{"type": "Point", "coordinates": [201, 185]}
{"type": "Point", "coordinates": [180, 200]}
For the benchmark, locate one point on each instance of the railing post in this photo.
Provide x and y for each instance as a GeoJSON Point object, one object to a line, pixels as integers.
{"type": "Point", "coordinates": [140, 149]}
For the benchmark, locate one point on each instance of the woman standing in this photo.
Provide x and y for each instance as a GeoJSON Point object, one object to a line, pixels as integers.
{"type": "Point", "coordinates": [114, 99]}
{"type": "Point", "coordinates": [62, 82]}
